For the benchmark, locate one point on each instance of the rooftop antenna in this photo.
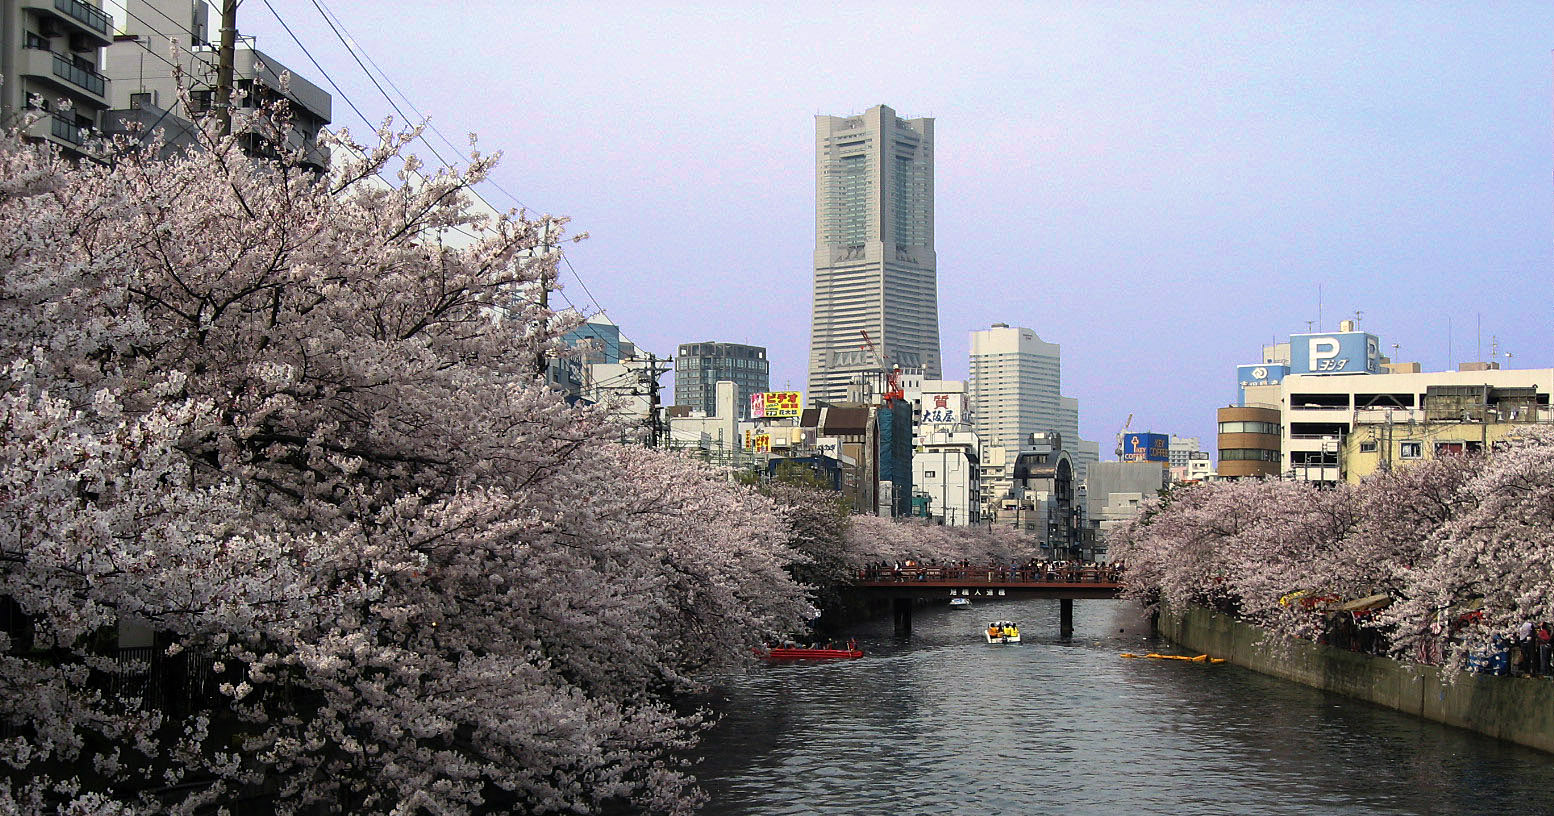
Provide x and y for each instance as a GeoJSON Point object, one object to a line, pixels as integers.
{"type": "Point", "coordinates": [1359, 314]}
{"type": "Point", "coordinates": [1478, 336]}
{"type": "Point", "coordinates": [1319, 305]}
{"type": "Point", "coordinates": [1308, 326]}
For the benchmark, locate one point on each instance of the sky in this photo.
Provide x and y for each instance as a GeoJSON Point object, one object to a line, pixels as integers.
{"type": "Point", "coordinates": [1161, 188]}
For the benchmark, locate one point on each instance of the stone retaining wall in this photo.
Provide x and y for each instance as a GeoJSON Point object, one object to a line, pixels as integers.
{"type": "Point", "coordinates": [1519, 709]}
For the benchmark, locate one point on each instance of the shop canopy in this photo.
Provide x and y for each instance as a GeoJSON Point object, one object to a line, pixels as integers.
{"type": "Point", "coordinates": [1366, 604]}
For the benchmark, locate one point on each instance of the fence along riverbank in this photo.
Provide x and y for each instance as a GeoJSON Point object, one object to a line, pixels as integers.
{"type": "Point", "coordinates": [1517, 709]}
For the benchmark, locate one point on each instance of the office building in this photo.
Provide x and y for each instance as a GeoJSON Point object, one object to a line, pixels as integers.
{"type": "Point", "coordinates": [700, 366]}
{"type": "Point", "coordinates": [875, 267]}
{"type": "Point", "coordinates": [599, 340]}
{"type": "Point", "coordinates": [1327, 407]}
{"type": "Point", "coordinates": [1181, 449]}
{"type": "Point", "coordinates": [1015, 386]}
{"type": "Point", "coordinates": [50, 57]}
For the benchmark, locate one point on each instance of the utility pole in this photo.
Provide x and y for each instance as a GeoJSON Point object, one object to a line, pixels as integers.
{"type": "Point", "coordinates": [542, 364]}
{"type": "Point", "coordinates": [656, 368]}
{"type": "Point", "coordinates": [224, 67]}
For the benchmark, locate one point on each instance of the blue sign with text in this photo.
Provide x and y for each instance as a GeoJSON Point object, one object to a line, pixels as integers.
{"type": "Point", "coordinates": [1335, 353]}
{"type": "Point", "coordinates": [1146, 447]}
{"type": "Point", "coordinates": [1259, 374]}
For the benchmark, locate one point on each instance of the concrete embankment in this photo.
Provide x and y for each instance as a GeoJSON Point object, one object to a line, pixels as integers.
{"type": "Point", "coordinates": [1519, 709]}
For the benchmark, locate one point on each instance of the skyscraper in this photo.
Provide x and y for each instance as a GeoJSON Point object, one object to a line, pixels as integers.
{"type": "Point", "coordinates": [874, 251]}
{"type": "Point", "coordinates": [1015, 387]}
{"type": "Point", "coordinates": [1015, 390]}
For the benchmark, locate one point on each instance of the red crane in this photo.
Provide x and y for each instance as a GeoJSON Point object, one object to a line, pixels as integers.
{"type": "Point", "coordinates": [892, 376]}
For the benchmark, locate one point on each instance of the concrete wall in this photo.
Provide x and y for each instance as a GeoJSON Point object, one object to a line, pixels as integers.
{"type": "Point", "coordinates": [1518, 709]}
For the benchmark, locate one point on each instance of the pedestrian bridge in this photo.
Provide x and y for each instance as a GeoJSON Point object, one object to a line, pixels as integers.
{"type": "Point", "coordinates": [911, 585]}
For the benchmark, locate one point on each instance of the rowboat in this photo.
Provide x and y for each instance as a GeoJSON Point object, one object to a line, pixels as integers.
{"type": "Point", "coordinates": [810, 654]}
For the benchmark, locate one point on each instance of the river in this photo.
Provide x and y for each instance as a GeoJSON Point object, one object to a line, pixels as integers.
{"type": "Point", "coordinates": [943, 723]}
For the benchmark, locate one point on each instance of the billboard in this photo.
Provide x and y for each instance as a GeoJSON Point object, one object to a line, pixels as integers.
{"type": "Point", "coordinates": [943, 409]}
{"type": "Point", "coordinates": [773, 404]}
{"type": "Point", "coordinates": [1146, 447]}
{"type": "Point", "coordinates": [1259, 374]}
{"type": "Point", "coordinates": [1335, 353]}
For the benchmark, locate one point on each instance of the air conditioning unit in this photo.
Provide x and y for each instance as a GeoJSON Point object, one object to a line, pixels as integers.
{"type": "Point", "coordinates": [80, 44]}
{"type": "Point", "coordinates": [49, 27]}
{"type": "Point", "coordinates": [144, 99]}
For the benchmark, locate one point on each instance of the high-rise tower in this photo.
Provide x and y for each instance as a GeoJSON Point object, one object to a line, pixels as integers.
{"type": "Point", "coordinates": [1015, 387]}
{"type": "Point", "coordinates": [874, 253]}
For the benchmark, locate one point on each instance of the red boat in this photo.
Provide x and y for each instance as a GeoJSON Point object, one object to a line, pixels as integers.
{"type": "Point", "coordinates": [811, 653]}
{"type": "Point", "coordinates": [805, 653]}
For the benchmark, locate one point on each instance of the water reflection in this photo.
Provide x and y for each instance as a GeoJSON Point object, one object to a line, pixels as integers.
{"type": "Point", "coordinates": [944, 723]}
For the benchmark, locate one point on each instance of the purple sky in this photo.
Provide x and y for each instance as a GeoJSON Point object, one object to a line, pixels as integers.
{"type": "Point", "coordinates": [1161, 188]}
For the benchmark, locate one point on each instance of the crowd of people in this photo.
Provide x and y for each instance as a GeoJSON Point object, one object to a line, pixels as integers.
{"type": "Point", "coordinates": [1057, 571]}
{"type": "Point", "coordinates": [1527, 653]}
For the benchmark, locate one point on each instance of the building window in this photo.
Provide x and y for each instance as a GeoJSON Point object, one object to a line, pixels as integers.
{"type": "Point", "coordinates": [1248, 427]}
{"type": "Point", "coordinates": [1409, 450]}
{"type": "Point", "coordinates": [928, 474]}
{"type": "Point", "coordinates": [1367, 447]}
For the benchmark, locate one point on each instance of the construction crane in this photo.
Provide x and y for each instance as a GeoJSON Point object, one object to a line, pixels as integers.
{"type": "Point", "coordinates": [1122, 433]}
{"type": "Point", "coordinates": [891, 376]}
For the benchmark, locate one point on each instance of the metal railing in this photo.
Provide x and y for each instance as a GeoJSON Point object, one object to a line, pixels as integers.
{"type": "Point", "coordinates": [90, 16]}
{"type": "Point", "coordinates": [71, 132]}
{"type": "Point", "coordinates": [84, 77]}
{"type": "Point", "coordinates": [992, 574]}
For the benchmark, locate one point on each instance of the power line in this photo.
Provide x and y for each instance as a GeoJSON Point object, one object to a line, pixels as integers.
{"type": "Point", "coordinates": [353, 47]}
{"type": "Point", "coordinates": [123, 5]}
{"type": "Point", "coordinates": [368, 122]}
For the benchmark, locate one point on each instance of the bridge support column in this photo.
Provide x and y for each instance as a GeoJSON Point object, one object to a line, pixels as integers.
{"type": "Point", "coordinates": [1066, 618]}
{"type": "Point", "coordinates": [901, 614]}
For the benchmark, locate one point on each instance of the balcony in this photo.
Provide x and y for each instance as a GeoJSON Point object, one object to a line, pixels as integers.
{"type": "Point", "coordinates": [90, 16]}
{"type": "Point", "coordinates": [84, 87]}
{"type": "Point", "coordinates": [92, 25]}
{"type": "Point", "coordinates": [74, 139]}
{"type": "Point", "coordinates": [66, 130]}
{"type": "Point", "coordinates": [81, 77]}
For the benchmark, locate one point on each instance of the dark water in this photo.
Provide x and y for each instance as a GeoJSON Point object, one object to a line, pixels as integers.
{"type": "Point", "coordinates": [947, 724]}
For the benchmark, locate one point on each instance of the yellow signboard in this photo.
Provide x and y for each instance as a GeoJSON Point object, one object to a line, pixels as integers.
{"type": "Point", "coordinates": [782, 403]}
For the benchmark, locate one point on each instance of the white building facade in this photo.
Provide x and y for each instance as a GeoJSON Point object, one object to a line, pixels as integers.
{"type": "Point", "coordinates": [946, 458]}
{"type": "Point", "coordinates": [1015, 385]}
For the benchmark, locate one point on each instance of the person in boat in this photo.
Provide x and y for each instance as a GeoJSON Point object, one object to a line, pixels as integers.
{"type": "Point", "coordinates": [852, 644]}
{"type": "Point", "coordinates": [1011, 631]}
{"type": "Point", "coordinates": [993, 631]}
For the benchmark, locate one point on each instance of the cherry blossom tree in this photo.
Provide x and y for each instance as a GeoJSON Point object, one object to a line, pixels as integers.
{"type": "Point", "coordinates": [1439, 539]}
{"type": "Point", "coordinates": [278, 423]}
{"type": "Point", "coordinates": [1492, 553]}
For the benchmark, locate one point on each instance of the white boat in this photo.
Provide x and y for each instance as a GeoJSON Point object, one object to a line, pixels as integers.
{"type": "Point", "coordinates": [1007, 631]}
{"type": "Point", "coordinates": [960, 603]}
